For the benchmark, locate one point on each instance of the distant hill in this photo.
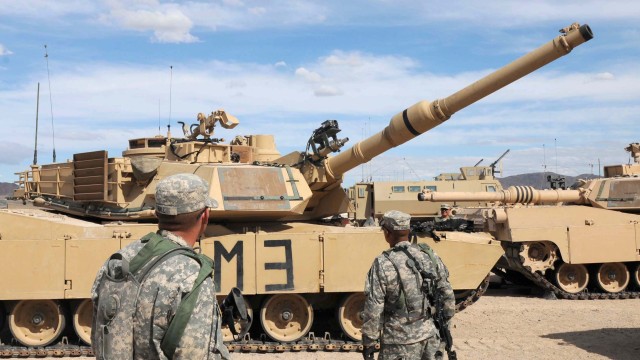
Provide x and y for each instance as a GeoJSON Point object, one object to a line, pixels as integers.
{"type": "Point", "coordinates": [539, 180]}
{"type": "Point", "coordinates": [6, 189]}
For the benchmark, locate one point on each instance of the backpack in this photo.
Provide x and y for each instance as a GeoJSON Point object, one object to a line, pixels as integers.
{"type": "Point", "coordinates": [118, 291]}
{"type": "Point", "coordinates": [427, 285]}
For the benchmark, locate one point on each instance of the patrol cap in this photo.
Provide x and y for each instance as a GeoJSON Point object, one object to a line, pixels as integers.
{"type": "Point", "coordinates": [445, 206]}
{"type": "Point", "coordinates": [395, 220]}
{"type": "Point", "coordinates": [183, 193]}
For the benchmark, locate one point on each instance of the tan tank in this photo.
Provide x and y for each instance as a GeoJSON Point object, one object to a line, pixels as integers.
{"type": "Point", "coordinates": [370, 200]}
{"type": "Point", "coordinates": [578, 243]}
{"type": "Point", "coordinates": [268, 236]}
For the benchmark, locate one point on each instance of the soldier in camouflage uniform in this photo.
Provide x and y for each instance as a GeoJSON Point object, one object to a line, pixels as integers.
{"type": "Point", "coordinates": [445, 213]}
{"type": "Point", "coordinates": [396, 311]}
{"type": "Point", "coordinates": [182, 208]}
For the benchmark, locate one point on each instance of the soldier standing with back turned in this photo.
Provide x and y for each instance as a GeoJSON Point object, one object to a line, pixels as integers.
{"type": "Point", "coordinates": [144, 330]}
{"type": "Point", "coordinates": [397, 311]}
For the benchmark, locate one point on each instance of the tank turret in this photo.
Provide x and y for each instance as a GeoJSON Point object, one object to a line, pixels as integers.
{"type": "Point", "coordinates": [626, 169]}
{"type": "Point", "coordinates": [247, 176]}
{"type": "Point", "coordinates": [620, 191]}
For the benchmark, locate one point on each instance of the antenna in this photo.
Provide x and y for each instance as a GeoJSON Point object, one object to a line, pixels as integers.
{"type": "Point", "coordinates": [53, 133]}
{"type": "Point", "coordinates": [555, 145]}
{"type": "Point", "coordinates": [35, 149]}
{"type": "Point", "coordinates": [363, 165]}
{"type": "Point", "coordinates": [544, 164]}
{"type": "Point", "coordinates": [410, 168]}
{"type": "Point", "coordinates": [159, 117]}
{"type": "Point", "coordinates": [170, 86]}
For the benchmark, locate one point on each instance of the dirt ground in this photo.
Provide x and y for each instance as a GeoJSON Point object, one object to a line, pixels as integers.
{"type": "Point", "coordinates": [506, 325]}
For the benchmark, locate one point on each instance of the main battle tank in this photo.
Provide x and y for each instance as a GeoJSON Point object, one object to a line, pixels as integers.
{"type": "Point", "coordinates": [268, 236]}
{"type": "Point", "coordinates": [580, 243]}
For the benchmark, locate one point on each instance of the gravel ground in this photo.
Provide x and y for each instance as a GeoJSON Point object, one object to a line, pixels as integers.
{"type": "Point", "coordinates": [507, 325]}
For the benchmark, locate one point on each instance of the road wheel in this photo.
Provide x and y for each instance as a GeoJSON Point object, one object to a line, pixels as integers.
{"type": "Point", "coordinates": [36, 322]}
{"type": "Point", "coordinates": [286, 317]}
{"type": "Point", "coordinates": [572, 278]}
{"type": "Point", "coordinates": [350, 315]}
{"type": "Point", "coordinates": [82, 317]}
{"type": "Point", "coordinates": [612, 277]}
{"type": "Point", "coordinates": [636, 276]}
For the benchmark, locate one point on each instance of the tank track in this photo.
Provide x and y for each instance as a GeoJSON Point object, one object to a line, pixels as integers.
{"type": "Point", "coordinates": [310, 343]}
{"type": "Point", "coordinates": [512, 253]}
{"type": "Point", "coordinates": [473, 295]}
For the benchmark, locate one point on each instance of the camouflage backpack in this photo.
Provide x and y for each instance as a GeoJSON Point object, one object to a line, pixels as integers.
{"type": "Point", "coordinates": [118, 297]}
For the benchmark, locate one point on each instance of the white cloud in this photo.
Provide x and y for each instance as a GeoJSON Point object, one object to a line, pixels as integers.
{"type": "Point", "coordinates": [280, 64]}
{"type": "Point", "coordinates": [326, 90]}
{"type": "Point", "coordinates": [168, 23]}
{"type": "Point", "coordinates": [4, 51]}
{"type": "Point", "coordinates": [308, 75]}
{"type": "Point", "coordinates": [604, 76]}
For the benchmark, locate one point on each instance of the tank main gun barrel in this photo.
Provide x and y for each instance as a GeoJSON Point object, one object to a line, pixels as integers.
{"type": "Point", "coordinates": [512, 195]}
{"type": "Point", "coordinates": [424, 115]}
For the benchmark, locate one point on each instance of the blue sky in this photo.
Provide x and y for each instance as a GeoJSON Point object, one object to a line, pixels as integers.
{"type": "Point", "coordinates": [283, 67]}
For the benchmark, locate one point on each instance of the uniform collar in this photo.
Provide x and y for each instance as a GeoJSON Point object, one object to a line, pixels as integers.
{"type": "Point", "coordinates": [173, 237]}
{"type": "Point", "coordinates": [404, 243]}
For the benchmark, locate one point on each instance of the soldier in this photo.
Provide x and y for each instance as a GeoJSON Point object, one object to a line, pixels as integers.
{"type": "Point", "coordinates": [182, 208]}
{"type": "Point", "coordinates": [445, 212]}
{"type": "Point", "coordinates": [397, 311]}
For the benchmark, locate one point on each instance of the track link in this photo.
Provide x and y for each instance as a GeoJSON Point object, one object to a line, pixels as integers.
{"type": "Point", "coordinates": [512, 252]}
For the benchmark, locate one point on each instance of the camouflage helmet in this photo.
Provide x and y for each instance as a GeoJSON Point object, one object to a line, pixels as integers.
{"type": "Point", "coordinates": [445, 207]}
{"type": "Point", "coordinates": [395, 220]}
{"type": "Point", "coordinates": [183, 193]}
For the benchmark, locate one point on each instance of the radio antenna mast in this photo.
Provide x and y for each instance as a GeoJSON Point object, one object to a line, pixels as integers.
{"type": "Point", "coordinates": [35, 149]}
{"type": "Point", "coordinates": [53, 132]}
{"type": "Point", "coordinates": [170, 87]}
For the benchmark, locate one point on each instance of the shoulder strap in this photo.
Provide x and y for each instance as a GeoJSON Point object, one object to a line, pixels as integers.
{"type": "Point", "coordinates": [155, 246]}
{"type": "Point", "coordinates": [179, 322]}
{"type": "Point", "coordinates": [429, 251]}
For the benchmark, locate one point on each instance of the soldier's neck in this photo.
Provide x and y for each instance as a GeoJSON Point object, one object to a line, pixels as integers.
{"type": "Point", "coordinates": [393, 243]}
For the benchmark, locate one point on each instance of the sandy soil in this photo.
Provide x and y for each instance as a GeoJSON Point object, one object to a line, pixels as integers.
{"type": "Point", "coordinates": [506, 325]}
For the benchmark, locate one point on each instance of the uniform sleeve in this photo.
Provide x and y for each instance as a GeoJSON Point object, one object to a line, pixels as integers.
{"type": "Point", "coordinates": [375, 293]}
{"type": "Point", "coordinates": [445, 290]}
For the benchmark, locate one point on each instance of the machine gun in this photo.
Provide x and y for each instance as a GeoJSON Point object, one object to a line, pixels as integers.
{"type": "Point", "coordinates": [495, 163]}
{"type": "Point", "coordinates": [430, 227]}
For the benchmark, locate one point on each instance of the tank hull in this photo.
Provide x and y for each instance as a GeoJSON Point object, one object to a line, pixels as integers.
{"type": "Point", "coordinates": [323, 264]}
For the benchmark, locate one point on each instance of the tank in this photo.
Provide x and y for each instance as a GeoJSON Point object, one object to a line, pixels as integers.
{"type": "Point", "coordinates": [269, 236]}
{"type": "Point", "coordinates": [370, 200]}
{"type": "Point", "coordinates": [579, 243]}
